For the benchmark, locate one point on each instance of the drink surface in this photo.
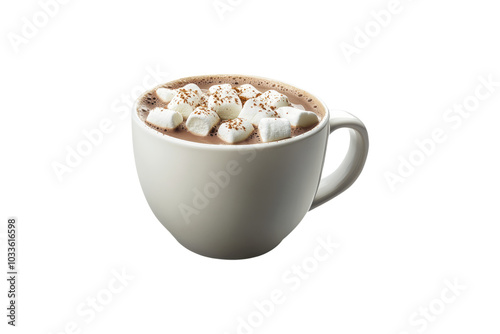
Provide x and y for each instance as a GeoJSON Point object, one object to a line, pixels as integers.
{"type": "Point", "coordinates": [297, 98]}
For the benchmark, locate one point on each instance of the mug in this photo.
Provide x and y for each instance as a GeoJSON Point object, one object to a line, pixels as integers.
{"type": "Point", "coordinates": [241, 201]}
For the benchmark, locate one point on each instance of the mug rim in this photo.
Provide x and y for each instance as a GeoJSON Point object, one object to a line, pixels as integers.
{"type": "Point", "coordinates": [192, 144]}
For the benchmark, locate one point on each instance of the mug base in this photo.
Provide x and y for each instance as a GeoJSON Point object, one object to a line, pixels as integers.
{"type": "Point", "coordinates": [239, 255]}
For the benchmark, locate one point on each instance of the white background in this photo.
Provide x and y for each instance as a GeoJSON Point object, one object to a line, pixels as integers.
{"type": "Point", "coordinates": [398, 247]}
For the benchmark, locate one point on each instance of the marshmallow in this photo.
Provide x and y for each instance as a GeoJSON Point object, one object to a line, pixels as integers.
{"type": "Point", "coordinates": [247, 91]}
{"type": "Point", "coordinates": [203, 99]}
{"type": "Point", "coordinates": [298, 117]}
{"type": "Point", "coordinates": [274, 99]}
{"type": "Point", "coordinates": [226, 103]}
{"type": "Point", "coordinates": [216, 88]}
{"type": "Point", "coordinates": [164, 118]}
{"type": "Point", "coordinates": [297, 106]}
{"type": "Point", "coordinates": [201, 121]}
{"type": "Point", "coordinates": [235, 130]}
{"type": "Point", "coordinates": [184, 101]}
{"type": "Point", "coordinates": [193, 87]}
{"type": "Point", "coordinates": [165, 94]}
{"type": "Point", "coordinates": [255, 110]}
{"type": "Point", "coordinates": [272, 129]}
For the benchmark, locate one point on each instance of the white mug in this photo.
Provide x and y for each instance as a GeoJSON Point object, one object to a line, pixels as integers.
{"type": "Point", "coordinates": [241, 201]}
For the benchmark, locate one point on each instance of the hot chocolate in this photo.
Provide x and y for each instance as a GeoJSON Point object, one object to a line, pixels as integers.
{"type": "Point", "coordinates": [229, 109]}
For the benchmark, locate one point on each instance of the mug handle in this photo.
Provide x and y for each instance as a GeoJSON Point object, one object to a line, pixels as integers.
{"type": "Point", "coordinates": [348, 171]}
